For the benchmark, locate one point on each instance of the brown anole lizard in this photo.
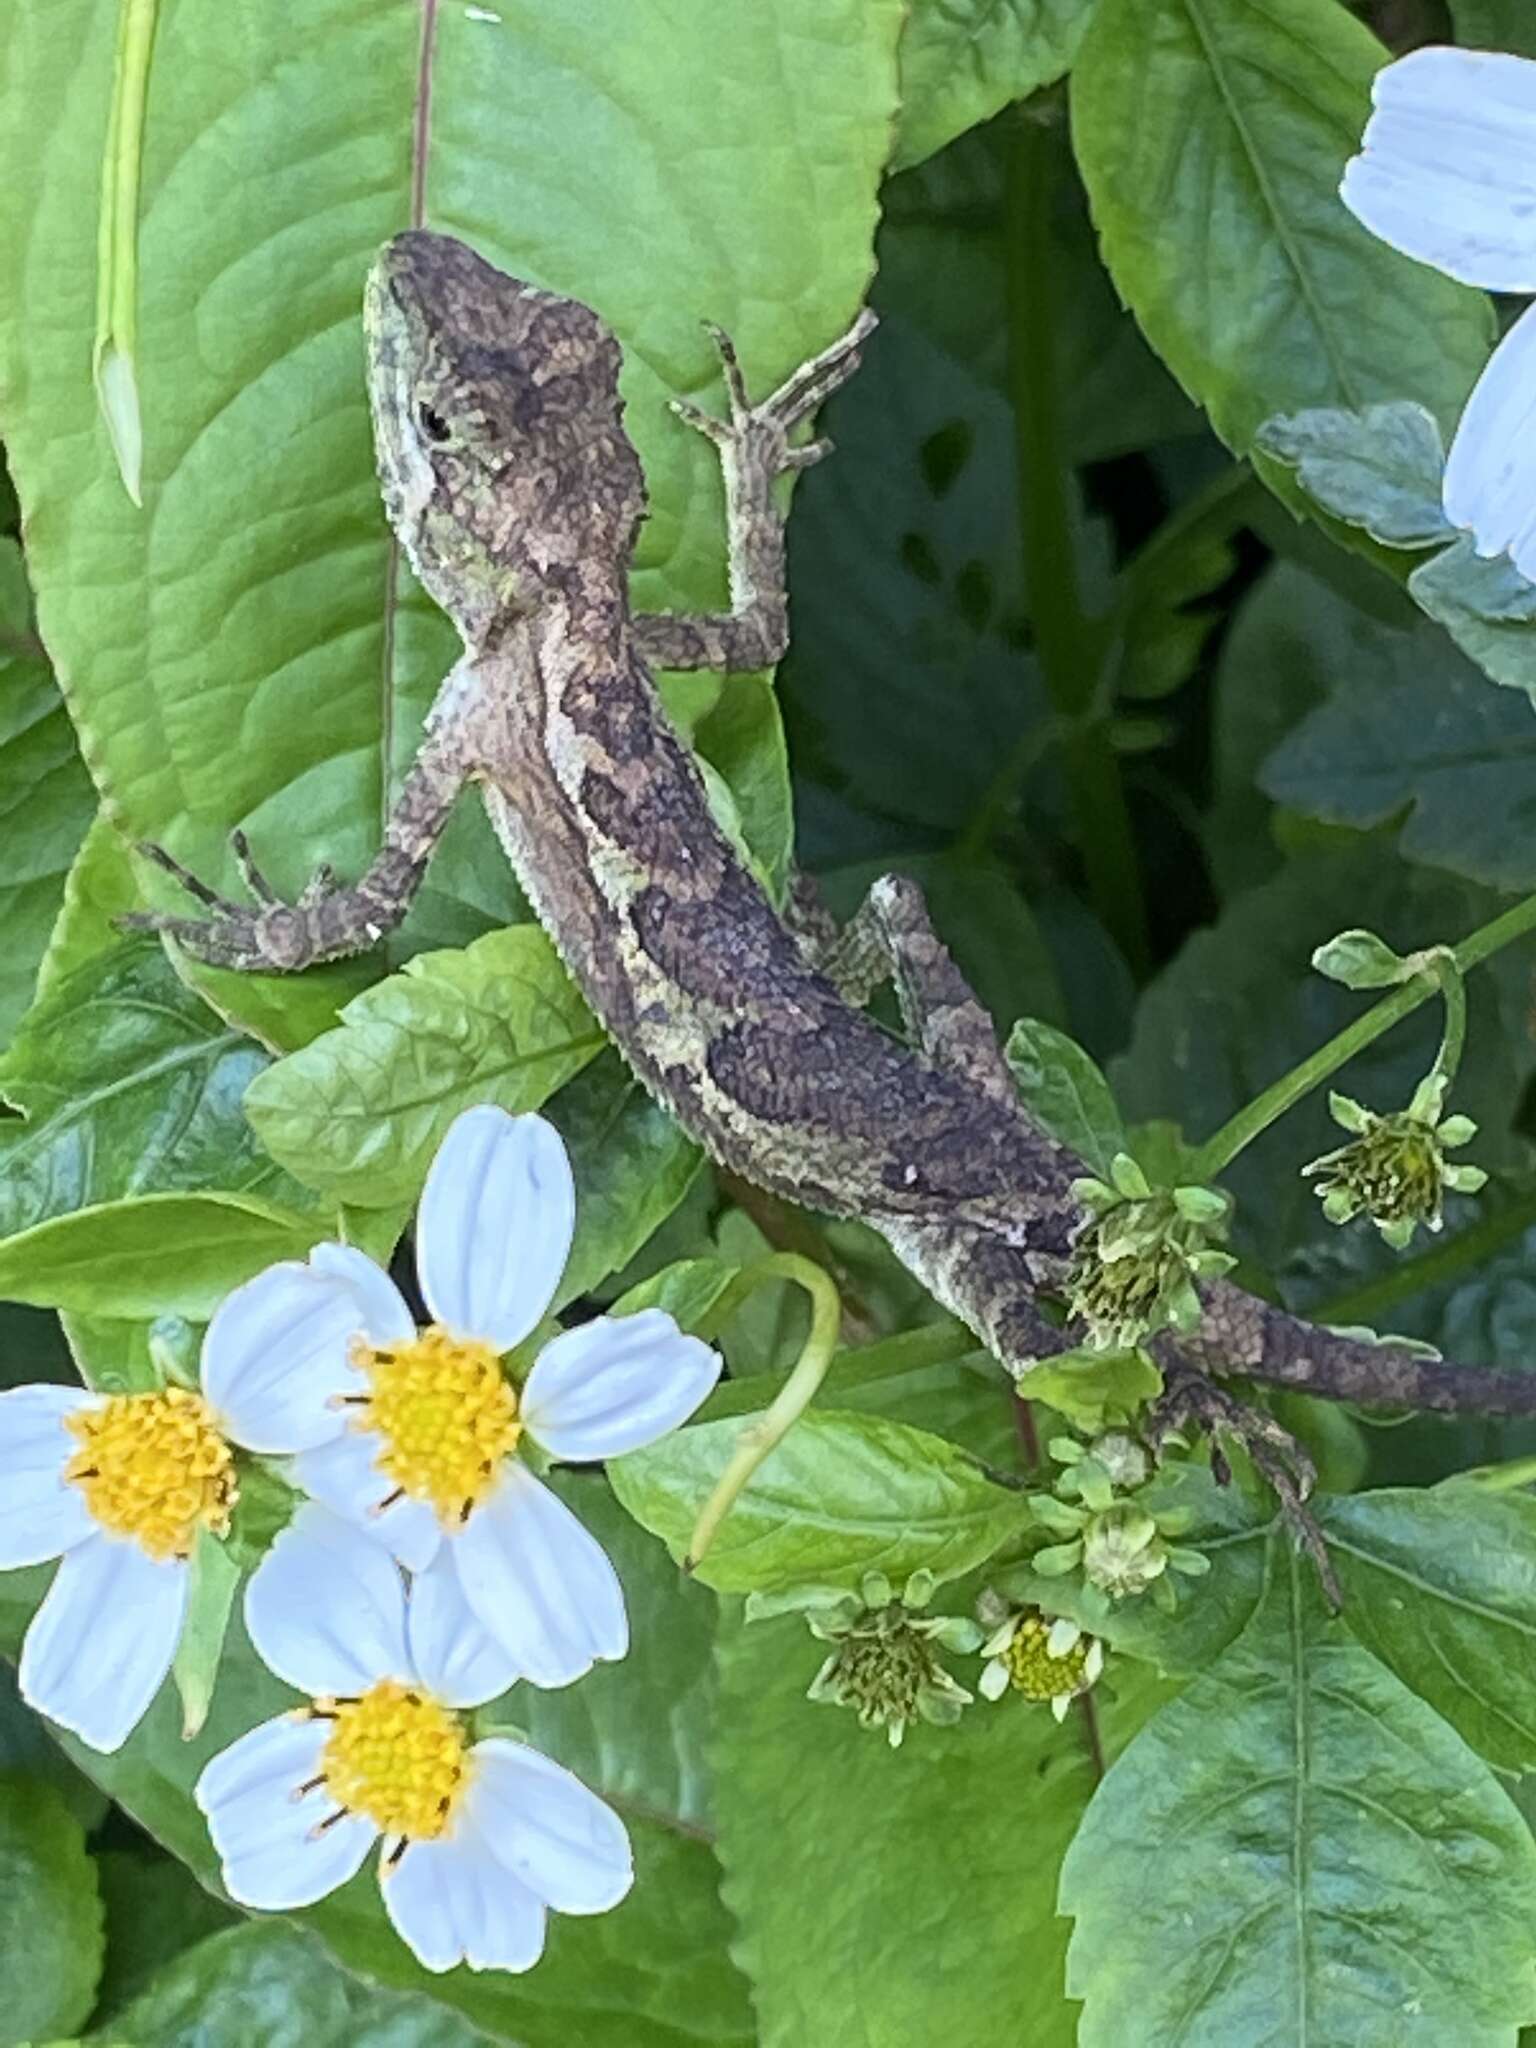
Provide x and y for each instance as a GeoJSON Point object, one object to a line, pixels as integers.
{"type": "Point", "coordinates": [517, 496]}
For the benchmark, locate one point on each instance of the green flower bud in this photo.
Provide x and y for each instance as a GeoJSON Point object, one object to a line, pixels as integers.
{"type": "Point", "coordinates": [1135, 1263]}
{"type": "Point", "coordinates": [884, 1663]}
{"type": "Point", "coordinates": [1394, 1168]}
{"type": "Point", "coordinates": [1122, 1551]}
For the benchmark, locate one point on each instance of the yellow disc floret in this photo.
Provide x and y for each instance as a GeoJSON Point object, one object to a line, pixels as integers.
{"type": "Point", "coordinates": [153, 1467]}
{"type": "Point", "coordinates": [1032, 1668]}
{"type": "Point", "coordinates": [398, 1757]}
{"type": "Point", "coordinates": [447, 1416]}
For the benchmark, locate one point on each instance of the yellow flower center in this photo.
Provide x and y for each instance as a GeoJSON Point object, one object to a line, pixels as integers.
{"type": "Point", "coordinates": [153, 1466]}
{"type": "Point", "coordinates": [1035, 1672]}
{"type": "Point", "coordinates": [447, 1416]}
{"type": "Point", "coordinates": [398, 1757]}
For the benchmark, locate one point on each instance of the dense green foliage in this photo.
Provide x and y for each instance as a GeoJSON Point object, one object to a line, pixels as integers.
{"type": "Point", "coordinates": [1127, 619]}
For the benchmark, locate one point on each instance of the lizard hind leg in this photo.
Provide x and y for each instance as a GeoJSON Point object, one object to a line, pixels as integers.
{"type": "Point", "coordinates": [890, 937]}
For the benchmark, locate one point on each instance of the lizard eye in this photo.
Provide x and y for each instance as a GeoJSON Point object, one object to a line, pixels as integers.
{"type": "Point", "coordinates": [433, 425]}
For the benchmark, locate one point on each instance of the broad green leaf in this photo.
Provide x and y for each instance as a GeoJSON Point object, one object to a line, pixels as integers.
{"type": "Point", "coordinates": [842, 1495]}
{"type": "Point", "coordinates": [1413, 731]}
{"type": "Point", "coordinates": [359, 1112]}
{"type": "Point", "coordinates": [1380, 468]}
{"type": "Point", "coordinates": [1299, 1850]}
{"type": "Point", "coordinates": [1441, 1585]}
{"type": "Point", "coordinates": [1487, 607]}
{"type": "Point", "coordinates": [45, 793]}
{"type": "Point", "coordinates": [28, 1751]}
{"type": "Point", "coordinates": [152, 1254]}
{"type": "Point", "coordinates": [963, 59]}
{"type": "Point", "coordinates": [652, 1974]}
{"type": "Point", "coordinates": [98, 889]}
{"type": "Point", "coordinates": [632, 1163]}
{"type": "Point", "coordinates": [155, 1909]}
{"type": "Point", "coordinates": [272, 672]}
{"type": "Point", "coordinates": [1094, 1388]}
{"type": "Point", "coordinates": [688, 1289]}
{"type": "Point", "coordinates": [845, 1859]}
{"type": "Point", "coordinates": [271, 1986]}
{"type": "Point", "coordinates": [50, 1915]}
{"type": "Point", "coordinates": [1065, 1093]}
{"type": "Point", "coordinates": [742, 739]}
{"type": "Point", "coordinates": [1211, 135]}
{"type": "Point", "coordinates": [1240, 1005]}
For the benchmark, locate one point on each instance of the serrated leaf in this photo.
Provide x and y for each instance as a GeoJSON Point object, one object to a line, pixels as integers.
{"type": "Point", "coordinates": [1380, 468]}
{"type": "Point", "coordinates": [1211, 135]}
{"type": "Point", "coordinates": [1441, 1586]}
{"type": "Point", "coordinates": [844, 1858]}
{"type": "Point", "coordinates": [1299, 1850]}
{"type": "Point", "coordinates": [271, 1986]}
{"type": "Point", "coordinates": [359, 1112]}
{"type": "Point", "coordinates": [963, 59]}
{"type": "Point", "coordinates": [50, 1915]}
{"type": "Point", "coordinates": [1064, 1091]}
{"type": "Point", "coordinates": [633, 1165]}
{"type": "Point", "coordinates": [46, 802]}
{"type": "Point", "coordinates": [1487, 607]}
{"type": "Point", "coordinates": [842, 1495]}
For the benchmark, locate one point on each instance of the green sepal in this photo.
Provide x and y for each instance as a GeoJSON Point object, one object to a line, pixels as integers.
{"type": "Point", "coordinates": [212, 1577]}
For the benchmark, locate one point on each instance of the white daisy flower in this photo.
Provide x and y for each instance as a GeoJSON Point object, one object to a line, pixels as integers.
{"type": "Point", "coordinates": [1447, 174]}
{"type": "Point", "coordinates": [479, 1839]}
{"type": "Point", "coordinates": [414, 1434]}
{"type": "Point", "coordinates": [115, 1486]}
{"type": "Point", "coordinates": [1041, 1658]}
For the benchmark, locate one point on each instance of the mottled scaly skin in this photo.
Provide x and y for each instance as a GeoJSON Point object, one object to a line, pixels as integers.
{"type": "Point", "coordinates": [517, 495]}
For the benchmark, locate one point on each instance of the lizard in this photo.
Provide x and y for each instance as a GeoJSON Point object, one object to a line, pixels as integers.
{"type": "Point", "coordinates": [517, 496]}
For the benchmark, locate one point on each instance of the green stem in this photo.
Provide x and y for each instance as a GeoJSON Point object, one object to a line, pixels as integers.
{"type": "Point", "coordinates": [759, 1438]}
{"type": "Point", "coordinates": [1223, 1146]}
{"type": "Point", "coordinates": [1466, 1250]}
{"type": "Point", "coordinates": [1069, 644]}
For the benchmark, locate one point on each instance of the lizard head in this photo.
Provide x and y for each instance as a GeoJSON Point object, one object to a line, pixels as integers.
{"type": "Point", "coordinates": [497, 420]}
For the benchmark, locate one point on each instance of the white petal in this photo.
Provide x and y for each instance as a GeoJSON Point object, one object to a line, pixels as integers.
{"type": "Point", "coordinates": [41, 1513]}
{"type": "Point", "coordinates": [454, 1657]}
{"type": "Point", "coordinates": [1447, 172]}
{"type": "Point", "coordinates": [277, 1354]}
{"type": "Point", "coordinates": [568, 1846]}
{"type": "Point", "coordinates": [1490, 478]}
{"type": "Point", "coordinates": [265, 1833]}
{"type": "Point", "coordinates": [101, 1643]}
{"type": "Point", "coordinates": [538, 1582]}
{"type": "Point", "coordinates": [614, 1384]}
{"type": "Point", "coordinates": [325, 1608]}
{"type": "Point", "coordinates": [495, 1225]}
{"type": "Point", "coordinates": [344, 1475]}
{"type": "Point", "coordinates": [387, 1317]}
{"type": "Point", "coordinates": [451, 1901]}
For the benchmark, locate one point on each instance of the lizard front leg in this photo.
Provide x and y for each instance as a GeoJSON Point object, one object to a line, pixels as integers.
{"type": "Point", "coordinates": [330, 919]}
{"type": "Point", "coordinates": [755, 448]}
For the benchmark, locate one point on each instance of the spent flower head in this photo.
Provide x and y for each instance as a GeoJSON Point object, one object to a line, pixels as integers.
{"type": "Point", "coordinates": [884, 1662]}
{"type": "Point", "coordinates": [1138, 1257]}
{"type": "Point", "coordinates": [1032, 1654]}
{"type": "Point", "coordinates": [1394, 1167]}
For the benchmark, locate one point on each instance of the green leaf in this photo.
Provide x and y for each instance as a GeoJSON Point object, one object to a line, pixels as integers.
{"type": "Point", "coordinates": [1211, 135]}
{"type": "Point", "coordinates": [1094, 1388]}
{"type": "Point", "coordinates": [842, 1495]}
{"type": "Point", "coordinates": [28, 1751]}
{"type": "Point", "coordinates": [212, 1579]}
{"type": "Point", "coordinates": [1298, 1849]}
{"type": "Point", "coordinates": [844, 1858]}
{"type": "Point", "coordinates": [1495, 25]}
{"type": "Point", "coordinates": [1487, 607]}
{"type": "Point", "coordinates": [98, 889]}
{"type": "Point", "coordinates": [1441, 1586]}
{"type": "Point", "coordinates": [1359, 959]}
{"type": "Point", "coordinates": [327, 653]}
{"type": "Point", "coordinates": [1065, 1092]}
{"type": "Point", "coordinates": [963, 59]}
{"type": "Point", "coordinates": [271, 1986]}
{"type": "Point", "coordinates": [360, 1111]}
{"type": "Point", "coordinates": [1414, 731]}
{"type": "Point", "coordinates": [687, 1289]}
{"type": "Point", "coordinates": [50, 1915]}
{"type": "Point", "coordinates": [46, 801]}
{"type": "Point", "coordinates": [742, 738]}
{"type": "Point", "coordinates": [633, 1165]}
{"type": "Point", "coordinates": [1380, 468]}
{"type": "Point", "coordinates": [155, 1909]}
{"type": "Point", "coordinates": [152, 1254]}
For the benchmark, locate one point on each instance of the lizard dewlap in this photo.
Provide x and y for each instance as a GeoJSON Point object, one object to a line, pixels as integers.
{"type": "Point", "coordinates": [446, 1414]}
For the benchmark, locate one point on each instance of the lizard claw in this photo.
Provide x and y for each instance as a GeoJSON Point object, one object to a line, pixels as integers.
{"type": "Point", "coordinates": [272, 936]}
{"type": "Point", "coordinates": [770, 424]}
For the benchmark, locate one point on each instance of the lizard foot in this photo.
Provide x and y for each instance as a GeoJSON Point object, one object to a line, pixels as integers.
{"type": "Point", "coordinates": [760, 433]}
{"type": "Point", "coordinates": [271, 936]}
{"type": "Point", "coordinates": [1189, 1397]}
